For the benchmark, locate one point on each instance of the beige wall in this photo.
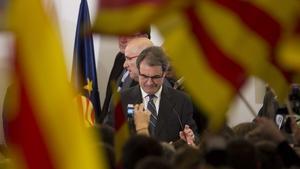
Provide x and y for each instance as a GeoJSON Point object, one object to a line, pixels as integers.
{"type": "Point", "coordinates": [253, 92]}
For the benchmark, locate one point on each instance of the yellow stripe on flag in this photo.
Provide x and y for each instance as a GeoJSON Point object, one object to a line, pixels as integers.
{"type": "Point", "coordinates": [121, 125]}
{"type": "Point", "coordinates": [42, 63]}
{"type": "Point", "coordinates": [289, 53]}
{"type": "Point", "coordinates": [285, 12]}
{"type": "Point", "coordinates": [239, 41]}
{"type": "Point", "coordinates": [125, 20]}
{"type": "Point", "coordinates": [121, 137]}
{"type": "Point", "coordinates": [189, 61]}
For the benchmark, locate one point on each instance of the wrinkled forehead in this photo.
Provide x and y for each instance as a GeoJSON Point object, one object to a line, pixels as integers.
{"type": "Point", "coordinates": [138, 34]}
{"type": "Point", "coordinates": [132, 51]}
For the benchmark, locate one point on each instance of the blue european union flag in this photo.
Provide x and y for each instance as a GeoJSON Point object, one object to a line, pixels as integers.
{"type": "Point", "coordinates": [84, 75]}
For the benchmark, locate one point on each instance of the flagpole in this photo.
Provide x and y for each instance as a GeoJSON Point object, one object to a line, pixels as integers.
{"type": "Point", "coordinates": [247, 104]}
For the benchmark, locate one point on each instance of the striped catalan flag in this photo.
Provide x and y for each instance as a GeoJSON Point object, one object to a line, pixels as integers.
{"type": "Point", "coordinates": [257, 32]}
{"type": "Point", "coordinates": [210, 75]}
{"type": "Point", "coordinates": [121, 125]}
{"type": "Point", "coordinates": [227, 41]}
{"type": "Point", "coordinates": [217, 44]}
{"type": "Point", "coordinates": [44, 129]}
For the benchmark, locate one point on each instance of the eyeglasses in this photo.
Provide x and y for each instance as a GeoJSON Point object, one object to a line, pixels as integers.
{"type": "Point", "coordinates": [155, 77]}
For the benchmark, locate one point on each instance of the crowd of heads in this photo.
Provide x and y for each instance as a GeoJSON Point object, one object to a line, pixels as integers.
{"type": "Point", "coordinates": [230, 148]}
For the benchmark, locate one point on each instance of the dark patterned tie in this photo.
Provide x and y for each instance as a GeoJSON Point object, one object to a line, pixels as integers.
{"type": "Point", "coordinates": [153, 118]}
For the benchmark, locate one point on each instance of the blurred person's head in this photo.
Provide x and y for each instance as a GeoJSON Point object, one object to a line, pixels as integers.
{"type": "Point", "coordinates": [187, 157]}
{"type": "Point", "coordinates": [242, 129]}
{"type": "Point", "coordinates": [153, 163]}
{"type": "Point", "coordinates": [105, 133]}
{"type": "Point", "coordinates": [242, 154]}
{"type": "Point", "coordinates": [168, 150]}
{"type": "Point", "coordinates": [268, 155]}
{"type": "Point", "coordinates": [109, 153]}
{"type": "Point", "coordinates": [213, 147]}
{"type": "Point", "coordinates": [152, 65]}
{"type": "Point", "coordinates": [139, 147]}
{"type": "Point", "coordinates": [132, 51]}
{"type": "Point", "coordinates": [124, 39]}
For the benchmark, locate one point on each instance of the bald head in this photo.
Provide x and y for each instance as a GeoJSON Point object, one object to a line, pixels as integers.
{"type": "Point", "coordinates": [137, 45]}
{"type": "Point", "coordinates": [133, 49]}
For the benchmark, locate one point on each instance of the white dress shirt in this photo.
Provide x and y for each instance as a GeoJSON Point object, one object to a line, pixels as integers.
{"type": "Point", "coordinates": [156, 100]}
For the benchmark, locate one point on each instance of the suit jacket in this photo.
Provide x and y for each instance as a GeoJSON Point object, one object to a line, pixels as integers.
{"type": "Point", "coordinates": [114, 76]}
{"type": "Point", "coordinates": [175, 111]}
{"type": "Point", "coordinates": [109, 117]}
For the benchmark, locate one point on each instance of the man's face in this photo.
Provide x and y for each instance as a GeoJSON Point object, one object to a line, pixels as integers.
{"type": "Point", "coordinates": [150, 78]}
{"type": "Point", "coordinates": [130, 64]}
{"type": "Point", "coordinates": [123, 40]}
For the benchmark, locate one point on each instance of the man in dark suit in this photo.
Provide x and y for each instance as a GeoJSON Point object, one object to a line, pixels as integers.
{"type": "Point", "coordinates": [171, 110]}
{"type": "Point", "coordinates": [117, 71]}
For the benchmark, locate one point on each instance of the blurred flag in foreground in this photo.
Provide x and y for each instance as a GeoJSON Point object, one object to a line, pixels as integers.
{"type": "Point", "coordinates": [44, 130]}
{"type": "Point", "coordinates": [84, 74]}
{"type": "Point", "coordinates": [121, 125]}
{"type": "Point", "coordinates": [217, 44]}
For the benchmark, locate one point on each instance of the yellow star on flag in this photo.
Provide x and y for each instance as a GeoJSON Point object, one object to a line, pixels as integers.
{"type": "Point", "coordinates": [89, 86]}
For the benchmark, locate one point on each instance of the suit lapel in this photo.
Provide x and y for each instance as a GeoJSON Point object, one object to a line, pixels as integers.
{"type": "Point", "coordinates": [136, 97]}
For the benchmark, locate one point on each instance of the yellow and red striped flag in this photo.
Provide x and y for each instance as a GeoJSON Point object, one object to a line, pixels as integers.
{"type": "Point", "coordinates": [121, 125]}
{"type": "Point", "coordinates": [227, 40]}
{"type": "Point", "coordinates": [131, 16]}
{"type": "Point", "coordinates": [211, 77]}
{"type": "Point", "coordinates": [217, 44]}
{"type": "Point", "coordinates": [44, 130]}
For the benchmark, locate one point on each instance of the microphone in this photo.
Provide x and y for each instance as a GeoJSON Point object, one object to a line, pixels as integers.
{"type": "Point", "coordinates": [176, 113]}
{"type": "Point", "coordinates": [179, 119]}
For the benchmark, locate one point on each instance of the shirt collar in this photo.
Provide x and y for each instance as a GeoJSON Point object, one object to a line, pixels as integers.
{"type": "Point", "coordinates": [157, 94]}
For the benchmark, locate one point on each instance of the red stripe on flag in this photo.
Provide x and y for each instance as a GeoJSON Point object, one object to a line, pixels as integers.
{"type": "Point", "coordinates": [127, 3]}
{"type": "Point", "coordinates": [297, 27]}
{"type": "Point", "coordinates": [119, 116]}
{"type": "Point", "coordinates": [256, 19]}
{"type": "Point", "coordinates": [220, 63]}
{"type": "Point", "coordinates": [86, 113]}
{"type": "Point", "coordinates": [26, 136]}
{"type": "Point", "coordinates": [79, 103]}
{"type": "Point", "coordinates": [93, 118]}
{"type": "Point", "coordinates": [261, 23]}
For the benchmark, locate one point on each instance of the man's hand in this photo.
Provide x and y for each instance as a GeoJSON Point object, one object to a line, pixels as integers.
{"type": "Point", "coordinates": [295, 130]}
{"type": "Point", "coordinates": [141, 119]}
{"type": "Point", "coordinates": [269, 128]}
{"type": "Point", "coordinates": [187, 135]}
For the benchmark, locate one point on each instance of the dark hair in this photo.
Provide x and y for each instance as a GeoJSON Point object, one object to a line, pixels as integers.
{"type": "Point", "coordinates": [153, 56]}
{"type": "Point", "coordinates": [241, 154]}
{"type": "Point", "coordinates": [153, 162]}
{"type": "Point", "coordinates": [139, 147]}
